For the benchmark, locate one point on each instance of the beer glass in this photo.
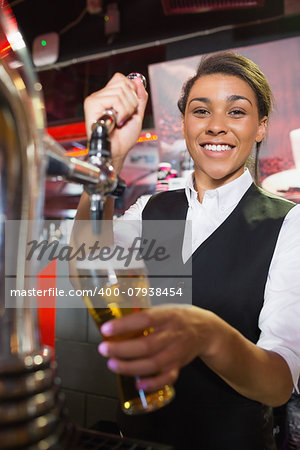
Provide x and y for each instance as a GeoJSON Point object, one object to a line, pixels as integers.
{"type": "Point", "coordinates": [111, 291]}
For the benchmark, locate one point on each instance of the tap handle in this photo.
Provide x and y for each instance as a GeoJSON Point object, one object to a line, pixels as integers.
{"type": "Point", "coordinates": [99, 145]}
{"type": "Point", "coordinates": [107, 120]}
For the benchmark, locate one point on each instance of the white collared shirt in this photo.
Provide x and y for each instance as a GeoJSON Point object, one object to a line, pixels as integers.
{"type": "Point", "coordinates": [279, 319]}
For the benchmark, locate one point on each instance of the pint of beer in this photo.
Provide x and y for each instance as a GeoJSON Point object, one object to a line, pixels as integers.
{"type": "Point", "coordinates": [112, 291]}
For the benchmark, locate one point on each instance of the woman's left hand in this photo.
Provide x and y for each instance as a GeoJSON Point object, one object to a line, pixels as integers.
{"type": "Point", "coordinates": [180, 333]}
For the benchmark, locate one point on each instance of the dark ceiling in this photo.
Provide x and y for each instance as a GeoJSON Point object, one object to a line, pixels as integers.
{"type": "Point", "coordinates": [140, 21]}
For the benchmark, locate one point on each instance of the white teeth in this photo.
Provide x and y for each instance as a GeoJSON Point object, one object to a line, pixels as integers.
{"type": "Point", "coordinates": [217, 148]}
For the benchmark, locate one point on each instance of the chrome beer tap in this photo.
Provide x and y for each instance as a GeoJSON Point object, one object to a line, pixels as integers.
{"type": "Point", "coordinates": [100, 156]}
{"type": "Point", "coordinates": [32, 409]}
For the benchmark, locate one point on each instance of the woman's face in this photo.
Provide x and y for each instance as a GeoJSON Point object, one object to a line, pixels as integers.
{"type": "Point", "coordinates": [220, 126]}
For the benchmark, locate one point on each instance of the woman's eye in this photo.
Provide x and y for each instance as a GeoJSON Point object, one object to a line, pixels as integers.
{"type": "Point", "coordinates": [200, 112]}
{"type": "Point", "coordinates": [237, 112]}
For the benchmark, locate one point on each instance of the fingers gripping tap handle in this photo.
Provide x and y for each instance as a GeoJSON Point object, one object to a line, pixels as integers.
{"type": "Point", "coordinates": [100, 155]}
{"type": "Point", "coordinates": [100, 144]}
{"type": "Point", "coordinates": [108, 118]}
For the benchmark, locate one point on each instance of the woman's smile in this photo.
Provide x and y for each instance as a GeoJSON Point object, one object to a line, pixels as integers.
{"type": "Point", "coordinates": [217, 149]}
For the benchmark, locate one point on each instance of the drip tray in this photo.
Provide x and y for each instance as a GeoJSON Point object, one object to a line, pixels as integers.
{"type": "Point", "coordinates": [93, 440]}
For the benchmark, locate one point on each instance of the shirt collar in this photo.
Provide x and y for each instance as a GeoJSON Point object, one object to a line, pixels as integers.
{"type": "Point", "coordinates": [228, 195]}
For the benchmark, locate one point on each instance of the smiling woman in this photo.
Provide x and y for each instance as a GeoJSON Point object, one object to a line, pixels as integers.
{"type": "Point", "coordinates": [236, 99]}
{"type": "Point", "coordinates": [235, 353]}
{"type": "Point", "coordinates": [221, 128]}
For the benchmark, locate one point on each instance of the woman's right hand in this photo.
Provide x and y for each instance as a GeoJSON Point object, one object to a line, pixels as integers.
{"type": "Point", "coordinates": [128, 98]}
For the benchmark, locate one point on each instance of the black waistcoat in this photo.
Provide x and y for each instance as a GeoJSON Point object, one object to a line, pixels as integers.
{"type": "Point", "coordinates": [230, 270]}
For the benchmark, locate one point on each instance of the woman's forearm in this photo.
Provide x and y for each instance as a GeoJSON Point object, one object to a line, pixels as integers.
{"type": "Point", "coordinates": [256, 373]}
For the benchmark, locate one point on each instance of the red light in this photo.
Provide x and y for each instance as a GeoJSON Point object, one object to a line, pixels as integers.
{"type": "Point", "coordinates": [145, 137]}
{"type": "Point", "coordinates": [68, 132]}
{"type": "Point", "coordinates": [11, 23]}
{"type": "Point", "coordinates": [77, 152]}
{"type": "Point", "coordinates": [4, 48]}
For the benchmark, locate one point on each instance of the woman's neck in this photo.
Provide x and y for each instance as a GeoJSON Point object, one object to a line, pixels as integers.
{"type": "Point", "coordinates": [204, 183]}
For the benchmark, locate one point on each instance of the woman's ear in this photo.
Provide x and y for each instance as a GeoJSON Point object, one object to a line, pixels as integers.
{"type": "Point", "coordinates": [182, 125]}
{"type": "Point", "coordinates": [262, 128]}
